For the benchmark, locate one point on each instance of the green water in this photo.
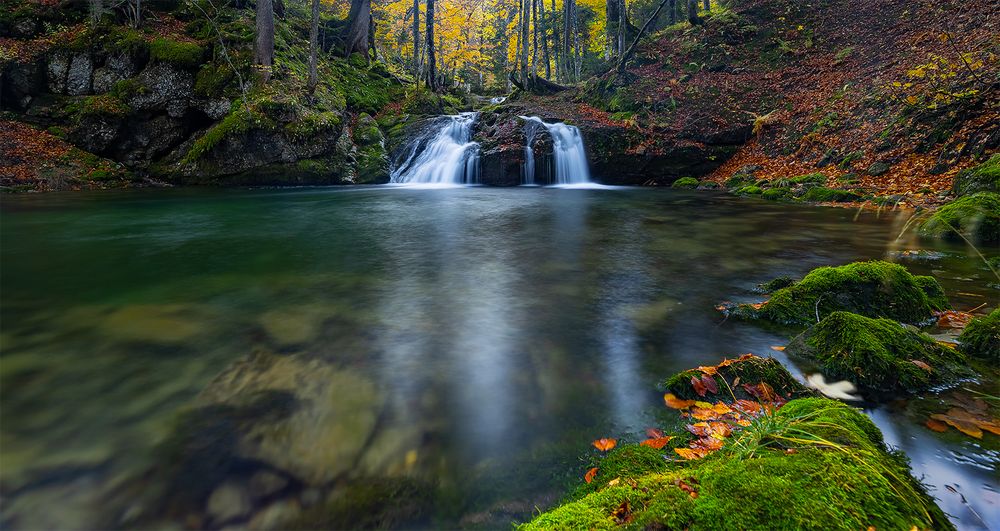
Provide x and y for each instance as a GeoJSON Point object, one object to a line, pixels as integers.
{"type": "Point", "coordinates": [476, 339]}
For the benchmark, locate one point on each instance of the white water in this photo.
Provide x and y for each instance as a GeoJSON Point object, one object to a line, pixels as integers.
{"type": "Point", "coordinates": [445, 155]}
{"type": "Point", "coordinates": [567, 152]}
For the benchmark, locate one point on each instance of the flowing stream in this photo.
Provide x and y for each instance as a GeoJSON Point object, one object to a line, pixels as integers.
{"type": "Point", "coordinates": [472, 339]}
{"type": "Point", "coordinates": [444, 154]}
{"type": "Point", "coordinates": [568, 154]}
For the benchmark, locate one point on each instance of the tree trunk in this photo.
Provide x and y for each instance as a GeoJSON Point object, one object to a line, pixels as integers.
{"type": "Point", "coordinates": [708, 5]}
{"type": "Point", "coordinates": [545, 39]}
{"type": "Point", "coordinates": [358, 25]}
{"type": "Point", "coordinates": [627, 54]}
{"type": "Point", "coordinates": [264, 45]}
{"type": "Point", "coordinates": [673, 12]}
{"type": "Point", "coordinates": [622, 27]}
{"type": "Point", "coordinates": [567, 42]}
{"type": "Point", "coordinates": [556, 55]}
{"type": "Point", "coordinates": [416, 39]}
{"type": "Point", "coordinates": [313, 46]}
{"type": "Point", "coordinates": [431, 67]}
{"type": "Point", "coordinates": [525, 20]}
{"type": "Point", "coordinates": [534, 36]}
{"type": "Point", "coordinates": [693, 12]}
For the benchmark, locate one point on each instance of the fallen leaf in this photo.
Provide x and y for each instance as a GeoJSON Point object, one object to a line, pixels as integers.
{"type": "Point", "coordinates": [778, 348]}
{"type": "Point", "coordinates": [710, 370]}
{"type": "Point", "coordinates": [654, 433]}
{"type": "Point", "coordinates": [922, 365]}
{"type": "Point", "coordinates": [710, 384]}
{"type": "Point", "coordinates": [590, 475]}
{"type": "Point", "coordinates": [936, 425]}
{"type": "Point", "coordinates": [676, 403]}
{"type": "Point", "coordinates": [614, 482]}
{"type": "Point", "coordinates": [623, 514]}
{"type": "Point", "coordinates": [658, 443]}
{"type": "Point", "coordinates": [698, 386]}
{"type": "Point", "coordinates": [690, 454]}
{"type": "Point", "coordinates": [953, 319]}
{"type": "Point", "coordinates": [709, 444]}
{"type": "Point", "coordinates": [604, 444]}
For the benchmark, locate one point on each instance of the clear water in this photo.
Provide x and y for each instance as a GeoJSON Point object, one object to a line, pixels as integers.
{"type": "Point", "coordinates": [502, 329]}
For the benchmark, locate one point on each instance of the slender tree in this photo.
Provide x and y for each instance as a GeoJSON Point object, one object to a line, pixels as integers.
{"type": "Point", "coordinates": [431, 67]}
{"type": "Point", "coordinates": [567, 41]}
{"type": "Point", "coordinates": [264, 45]}
{"type": "Point", "coordinates": [673, 12]}
{"type": "Point", "coordinates": [545, 39]}
{"type": "Point", "coordinates": [525, 21]}
{"type": "Point", "coordinates": [708, 4]}
{"type": "Point", "coordinates": [356, 33]}
{"type": "Point", "coordinates": [693, 12]}
{"type": "Point", "coordinates": [313, 47]}
{"type": "Point", "coordinates": [416, 39]}
{"type": "Point", "coordinates": [534, 36]}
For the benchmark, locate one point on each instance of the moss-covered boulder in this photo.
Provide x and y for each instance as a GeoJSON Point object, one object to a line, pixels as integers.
{"type": "Point", "coordinates": [881, 356]}
{"type": "Point", "coordinates": [982, 178]}
{"type": "Point", "coordinates": [975, 217]}
{"type": "Point", "coordinates": [822, 194]}
{"type": "Point", "coordinates": [872, 289]}
{"type": "Point", "coordinates": [729, 375]}
{"type": "Point", "coordinates": [812, 464]}
{"type": "Point", "coordinates": [685, 182]}
{"type": "Point", "coordinates": [981, 338]}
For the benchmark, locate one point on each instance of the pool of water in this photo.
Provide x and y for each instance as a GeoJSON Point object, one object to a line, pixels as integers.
{"type": "Point", "coordinates": [472, 341]}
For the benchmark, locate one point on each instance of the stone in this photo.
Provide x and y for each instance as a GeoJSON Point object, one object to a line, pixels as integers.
{"type": "Point", "coordinates": [78, 78]}
{"type": "Point", "coordinates": [265, 483]}
{"type": "Point", "coordinates": [275, 516]}
{"type": "Point", "coordinates": [56, 71]}
{"type": "Point", "coordinates": [163, 83]}
{"type": "Point", "coordinates": [878, 168]}
{"type": "Point", "coordinates": [227, 502]}
{"type": "Point", "coordinates": [215, 109]}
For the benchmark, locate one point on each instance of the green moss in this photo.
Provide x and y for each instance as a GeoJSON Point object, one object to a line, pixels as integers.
{"type": "Point", "coordinates": [815, 178]}
{"type": "Point", "coordinates": [739, 179]}
{"type": "Point", "coordinates": [830, 195]}
{"type": "Point", "coordinates": [878, 354]}
{"type": "Point", "coordinates": [212, 80]}
{"type": "Point", "coordinates": [849, 483]}
{"type": "Point", "coordinates": [981, 338]}
{"type": "Point", "coordinates": [976, 217]}
{"type": "Point", "coordinates": [183, 54]}
{"type": "Point", "coordinates": [314, 123]}
{"type": "Point", "coordinates": [774, 285]}
{"type": "Point", "coordinates": [100, 106]}
{"type": "Point", "coordinates": [685, 182]}
{"type": "Point", "coordinates": [239, 120]}
{"type": "Point", "coordinates": [749, 190]}
{"type": "Point", "coordinates": [774, 194]}
{"type": "Point", "coordinates": [751, 370]}
{"type": "Point", "coordinates": [982, 178]}
{"type": "Point", "coordinates": [850, 159]}
{"type": "Point", "coordinates": [872, 289]}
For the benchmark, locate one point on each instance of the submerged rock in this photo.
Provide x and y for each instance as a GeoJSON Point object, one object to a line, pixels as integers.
{"type": "Point", "coordinates": [881, 356]}
{"type": "Point", "coordinates": [747, 369]}
{"type": "Point", "coordinates": [975, 217]}
{"type": "Point", "coordinates": [981, 337]}
{"type": "Point", "coordinates": [872, 289]}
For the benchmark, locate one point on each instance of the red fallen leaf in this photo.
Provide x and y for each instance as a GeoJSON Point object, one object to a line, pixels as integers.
{"type": "Point", "coordinates": [698, 386]}
{"type": "Point", "coordinates": [748, 406]}
{"type": "Point", "coordinates": [590, 475]}
{"type": "Point", "coordinates": [701, 429]}
{"type": "Point", "coordinates": [605, 444]}
{"type": "Point", "coordinates": [922, 365]}
{"type": "Point", "coordinates": [654, 433]}
{"type": "Point", "coordinates": [710, 384]}
{"type": "Point", "coordinates": [710, 444]}
{"type": "Point", "coordinates": [623, 514]}
{"type": "Point", "coordinates": [686, 487]}
{"type": "Point", "coordinates": [657, 443]}
{"type": "Point", "coordinates": [676, 403]}
{"type": "Point", "coordinates": [953, 319]}
{"type": "Point", "coordinates": [935, 425]}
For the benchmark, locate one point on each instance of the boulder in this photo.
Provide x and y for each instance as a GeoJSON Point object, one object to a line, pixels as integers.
{"type": "Point", "coordinates": [882, 357]}
{"type": "Point", "coordinates": [79, 75]}
{"type": "Point", "coordinates": [56, 71]}
{"type": "Point", "coordinates": [981, 338]}
{"type": "Point", "coordinates": [975, 217]}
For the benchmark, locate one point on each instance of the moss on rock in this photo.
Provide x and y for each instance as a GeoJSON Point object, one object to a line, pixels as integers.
{"type": "Point", "coordinates": [982, 178]}
{"type": "Point", "coordinates": [823, 194]}
{"type": "Point", "coordinates": [179, 53]}
{"type": "Point", "coordinates": [748, 369]}
{"type": "Point", "coordinates": [981, 338]}
{"type": "Point", "coordinates": [872, 289]}
{"type": "Point", "coordinates": [847, 481]}
{"type": "Point", "coordinates": [685, 182]}
{"type": "Point", "coordinates": [774, 194]}
{"type": "Point", "coordinates": [976, 217]}
{"type": "Point", "coordinates": [879, 355]}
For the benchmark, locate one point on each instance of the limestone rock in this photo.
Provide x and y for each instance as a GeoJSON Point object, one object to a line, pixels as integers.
{"type": "Point", "coordinates": [78, 78]}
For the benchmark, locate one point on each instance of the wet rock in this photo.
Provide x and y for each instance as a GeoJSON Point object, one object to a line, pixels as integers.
{"type": "Point", "coordinates": [881, 356]}
{"type": "Point", "coordinates": [982, 178]}
{"type": "Point", "coordinates": [156, 323]}
{"type": "Point", "coordinates": [264, 483]}
{"type": "Point", "coordinates": [228, 502]}
{"type": "Point", "coordinates": [748, 369]}
{"type": "Point", "coordinates": [163, 84]}
{"type": "Point", "coordinates": [975, 217]}
{"type": "Point", "coordinates": [372, 157]}
{"type": "Point", "coordinates": [321, 417]}
{"type": "Point", "coordinates": [78, 78]}
{"type": "Point", "coordinates": [294, 326]}
{"type": "Point", "coordinates": [215, 109]}
{"type": "Point", "coordinates": [981, 338]}
{"type": "Point", "coordinates": [275, 516]}
{"type": "Point", "coordinates": [21, 82]}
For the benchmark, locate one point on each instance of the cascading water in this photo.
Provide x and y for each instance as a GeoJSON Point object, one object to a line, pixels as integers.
{"type": "Point", "coordinates": [445, 154]}
{"type": "Point", "coordinates": [531, 129]}
{"type": "Point", "coordinates": [567, 152]}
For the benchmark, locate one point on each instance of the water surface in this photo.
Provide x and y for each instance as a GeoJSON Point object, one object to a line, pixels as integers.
{"type": "Point", "coordinates": [482, 336]}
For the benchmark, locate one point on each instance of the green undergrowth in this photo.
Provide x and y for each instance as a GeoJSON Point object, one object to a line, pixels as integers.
{"type": "Point", "coordinates": [872, 289]}
{"type": "Point", "coordinates": [975, 217]}
{"type": "Point", "coordinates": [883, 357]}
{"type": "Point", "coordinates": [981, 338]}
{"type": "Point", "coordinates": [812, 464]}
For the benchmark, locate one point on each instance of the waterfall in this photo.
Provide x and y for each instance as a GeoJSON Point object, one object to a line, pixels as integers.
{"type": "Point", "coordinates": [567, 152]}
{"type": "Point", "coordinates": [444, 154]}
{"type": "Point", "coordinates": [531, 129]}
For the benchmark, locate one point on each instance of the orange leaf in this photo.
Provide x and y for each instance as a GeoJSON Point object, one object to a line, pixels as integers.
{"type": "Point", "coordinates": [936, 425]}
{"type": "Point", "coordinates": [604, 444]}
{"type": "Point", "coordinates": [689, 454]}
{"type": "Point", "coordinates": [922, 365]}
{"type": "Point", "coordinates": [710, 444]}
{"type": "Point", "coordinates": [698, 386]}
{"type": "Point", "coordinates": [654, 433]}
{"type": "Point", "coordinates": [708, 370]}
{"type": "Point", "coordinates": [657, 443]}
{"type": "Point", "coordinates": [778, 348]}
{"type": "Point", "coordinates": [676, 403]}
{"type": "Point", "coordinates": [590, 475]}
{"type": "Point", "coordinates": [964, 425]}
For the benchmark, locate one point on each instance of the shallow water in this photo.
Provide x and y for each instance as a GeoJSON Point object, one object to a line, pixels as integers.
{"type": "Point", "coordinates": [483, 336]}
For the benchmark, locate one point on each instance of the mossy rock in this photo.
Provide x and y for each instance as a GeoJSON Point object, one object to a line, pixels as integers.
{"type": "Point", "coordinates": [774, 285]}
{"type": "Point", "coordinates": [975, 217]}
{"type": "Point", "coordinates": [981, 338]}
{"type": "Point", "coordinates": [708, 185]}
{"type": "Point", "coordinates": [775, 194]}
{"type": "Point", "coordinates": [872, 289]}
{"type": "Point", "coordinates": [881, 356]}
{"type": "Point", "coordinates": [982, 178]}
{"type": "Point", "coordinates": [851, 482]}
{"type": "Point", "coordinates": [813, 178]}
{"type": "Point", "coordinates": [685, 182]}
{"type": "Point", "coordinates": [748, 369]}
{"type": "Point", "coordinates": [739, 179]}
{"type": "Point", "coordinates": [822, 194]}
{"type": "Point", "coordinates": [752, 189]}
{"type": "Point", "coordinates": [179, 53]}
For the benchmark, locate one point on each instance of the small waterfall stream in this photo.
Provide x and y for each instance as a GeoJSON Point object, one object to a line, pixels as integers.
{"type": "Point", "coordinates": [568, 152]}
{"type": "Point", "coordinates": [444, 154]}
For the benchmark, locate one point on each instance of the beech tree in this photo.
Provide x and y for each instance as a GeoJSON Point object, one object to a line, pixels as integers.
{"type": "Point", "coordinates": [359, 22]}
{"type": "Point", "coordinates": [313, 46]}
{"type": "Point", "coordinates": [264, 45]}
{"type": "Point", "coordinates": [416, 39]}
{"type": "Point", "coordinates": [431, 67]}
